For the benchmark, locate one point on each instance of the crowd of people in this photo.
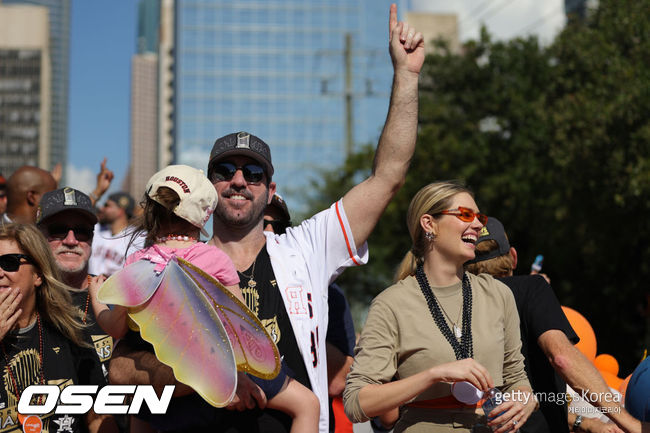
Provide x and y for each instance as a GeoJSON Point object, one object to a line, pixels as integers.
{"type": "Point", "coordinates": [445, 320]}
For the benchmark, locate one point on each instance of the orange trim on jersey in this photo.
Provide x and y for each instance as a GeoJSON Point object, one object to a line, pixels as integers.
{"type": "Point", "coordinates": [345, 235]}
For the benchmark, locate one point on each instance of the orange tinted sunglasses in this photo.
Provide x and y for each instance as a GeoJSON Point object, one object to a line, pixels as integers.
{"type": "Point", "coordinates": [466, 214]}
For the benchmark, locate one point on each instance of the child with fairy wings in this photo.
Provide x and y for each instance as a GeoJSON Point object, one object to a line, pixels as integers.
{"type": "Point", "coordinates": [178, 202]}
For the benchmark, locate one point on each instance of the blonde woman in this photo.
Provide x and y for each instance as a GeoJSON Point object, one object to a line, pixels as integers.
{"type": "Point", "coordinates": [40, 332]}
{"type": "Point", "coordinates": [438, 325]}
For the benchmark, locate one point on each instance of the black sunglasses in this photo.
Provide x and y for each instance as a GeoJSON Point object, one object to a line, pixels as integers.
{"type": "Point", "coordinates": [11, 262]}
{"type": "Point", "coordinates": [279, 226]}
{"type": "Point", "coordinates": [224, 171]}
{"type": "Point", "coordinates": [60, 232]}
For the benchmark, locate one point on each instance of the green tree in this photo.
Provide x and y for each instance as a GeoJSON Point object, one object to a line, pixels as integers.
{"type": "Point", "coordinates": [555, 142]}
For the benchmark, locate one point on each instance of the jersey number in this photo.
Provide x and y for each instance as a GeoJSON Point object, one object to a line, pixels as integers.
{"type": "Point", "coordinates": [314, 348]}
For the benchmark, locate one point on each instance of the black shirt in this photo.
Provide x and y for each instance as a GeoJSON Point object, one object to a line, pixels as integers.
{"type": "Point", "coordinates": [264, 299]}
{"type": "Point", "coordinates": [64, 364]}
{"type": "Point", "coordinates": [93, 333]}
{"type": "Point", "coordinates": [540, 311]}
{"type": "Point", "coordinates": [191, 413]}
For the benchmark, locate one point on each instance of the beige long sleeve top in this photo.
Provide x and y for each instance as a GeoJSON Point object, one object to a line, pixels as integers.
{"type": "Point", "coordinates": [400, 338]}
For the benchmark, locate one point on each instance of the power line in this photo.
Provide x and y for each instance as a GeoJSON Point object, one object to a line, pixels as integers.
{"type": "Point", "coordinates": [490, 13]}
{"type": "Point", "coordinates": [540, 21]}
{"type": "Point", "coordinates": [471, 15]}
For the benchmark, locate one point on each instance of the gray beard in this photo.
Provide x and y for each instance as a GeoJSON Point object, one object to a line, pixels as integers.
{"type": "Point", "coordinates": [74, 277]}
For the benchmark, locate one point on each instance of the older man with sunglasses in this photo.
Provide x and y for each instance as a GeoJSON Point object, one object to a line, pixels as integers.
{"type": "Point", "coordinates": [66, 217]}
{"type": "Point", "coordinates": [285, 278]}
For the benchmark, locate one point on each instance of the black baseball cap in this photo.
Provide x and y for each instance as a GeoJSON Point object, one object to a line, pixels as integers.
{"type": "Point", "coordinates": [242, 143]}
{"type": "Point", "coordinates": [124, 201]}
{"type": "Point", "coordinates": [493, 230]}
{"type": "Point", "coordinates": [278, 202]}
{"type": "Point", "coordinates": [65, 199]}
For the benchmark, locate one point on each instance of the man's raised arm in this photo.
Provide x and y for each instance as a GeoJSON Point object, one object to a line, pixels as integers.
{"type": "Point", "coordinates": [365, 203]}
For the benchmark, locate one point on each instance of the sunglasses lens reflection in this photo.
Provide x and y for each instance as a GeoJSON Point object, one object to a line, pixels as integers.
{"type": "Point", "coordinates": [253, 173]}
{"type": "Point", "coordinates": [225, 171]}
{"type": "Point", "coordinates": [466, 215]}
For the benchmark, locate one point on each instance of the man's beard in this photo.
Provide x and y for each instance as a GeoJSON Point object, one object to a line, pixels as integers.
{"type": "Point", "coordinates": [234, 217]}
{"type": "Point", "coordinates": [68, 273]}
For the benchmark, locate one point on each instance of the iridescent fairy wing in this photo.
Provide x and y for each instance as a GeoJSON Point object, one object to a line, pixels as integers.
{"type": "Point", "coordinates": [187, 335]}
{"type": "Point", "coordinates": [254, 350]}
{"type": "Point", "coordinates": [131, 286]}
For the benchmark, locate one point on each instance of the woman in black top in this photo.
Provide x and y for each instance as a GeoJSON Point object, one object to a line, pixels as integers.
{"type": "Point", "coordinates": [40, 332]}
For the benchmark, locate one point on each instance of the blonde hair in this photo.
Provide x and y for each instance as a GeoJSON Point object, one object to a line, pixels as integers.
{"type": "Point", "coordinates": [53, 301]}
{"type": "Point", "coordinates": [500, 266]}
{"type": "Point", "coordinates": [431, 199]}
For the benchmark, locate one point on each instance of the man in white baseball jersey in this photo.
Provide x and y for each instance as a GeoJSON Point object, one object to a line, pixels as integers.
{"type": "Point", "coordinates": [285, 278]}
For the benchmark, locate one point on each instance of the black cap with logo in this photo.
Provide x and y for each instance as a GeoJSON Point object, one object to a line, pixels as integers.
{"type": "Point", "coordinates": [242, 143]}
{"type": "Point", "coordinates": [65, 199]}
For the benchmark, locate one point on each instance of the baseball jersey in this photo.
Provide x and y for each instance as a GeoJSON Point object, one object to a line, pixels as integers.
{"type": "Point", "coordinates": [305, 261]}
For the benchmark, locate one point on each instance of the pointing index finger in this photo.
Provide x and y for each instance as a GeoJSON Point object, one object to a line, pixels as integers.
{"type": "Point", "coordinates": [392, 19]}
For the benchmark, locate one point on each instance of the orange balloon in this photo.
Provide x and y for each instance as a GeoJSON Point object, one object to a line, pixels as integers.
{"type": "Point", "coordinates": [623, 387]}
{"type": "Point", "coordinates": [587, 343]}
{"type": "Point", "coordinates": [611, 379]}
{"type": "Point", "coordinates": [606, 362]}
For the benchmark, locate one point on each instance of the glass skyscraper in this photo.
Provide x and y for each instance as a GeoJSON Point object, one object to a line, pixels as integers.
{"type": "Point", "coordinates": [278, 69]}
{"type": "Point", "coordinates": [59, 17]}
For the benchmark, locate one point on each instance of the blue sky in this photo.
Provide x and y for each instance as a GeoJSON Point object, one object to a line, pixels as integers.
{"type": "Point", "coordinates": [102, 42]}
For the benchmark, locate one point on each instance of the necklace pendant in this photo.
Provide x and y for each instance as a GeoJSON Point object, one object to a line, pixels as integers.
{"type": "Point", "coordinates": [252, 283]}
{"type": "Point", "coordinates": [457, 332]}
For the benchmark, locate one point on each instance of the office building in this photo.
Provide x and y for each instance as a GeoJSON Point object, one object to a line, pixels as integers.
{"type": "Point", "coordinates": [144, 100]}
{"type": "Point", "coordinates": [310, 77]}
{"type": "Point", "coordinates": [25, 77]}
{"type": "Point", "coordinates": [59, 45]}
{"type": "Point", "coordinates": [434, 26]}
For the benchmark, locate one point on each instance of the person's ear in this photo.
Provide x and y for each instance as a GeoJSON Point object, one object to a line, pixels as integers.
{"type": "Point", "coordinates": [513, 256]}
{"type": "Point", "coordinates": [33, 198]}
{"type": "Point", "coordinates": [429, 224]}
{"type": "Point", "coordinates": [38, 280]}
{"type": "Point", "coordinates": [271, 192]}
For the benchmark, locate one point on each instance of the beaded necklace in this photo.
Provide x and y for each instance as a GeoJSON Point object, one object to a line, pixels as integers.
{"type": "Point", "coordinates": [464, 348]}
{"type": "Point", "coordinates": [173, 237]}
{"type": "Point", "coordinates": [14, 382]}
{"type": "Point", "coordinates": [87, 301]}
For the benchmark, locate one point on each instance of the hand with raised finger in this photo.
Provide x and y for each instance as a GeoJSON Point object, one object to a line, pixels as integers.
{"type": "Point", "coordinates": [406, 45]}
{"type": "Point", "coordinates": [57, 173]}
{"type": "Point", "coordinates": [464, 370]}
{"type": "Point", "coordinates": [9, 312]}
{"type": "Point", "coordinates": [104, 179]}
{"type": "Point", "coordinates": [248, 395]}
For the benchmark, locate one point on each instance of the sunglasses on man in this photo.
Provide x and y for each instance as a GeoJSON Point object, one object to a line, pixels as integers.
{"type": "Point", "coordinates": [225, 171]}
{"type": "Point", "coordinates": [466, 214]}
{"type": "Point", "coordinates": [11, 262]}
{"type": "Point", "coordinates": [60, 232]}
